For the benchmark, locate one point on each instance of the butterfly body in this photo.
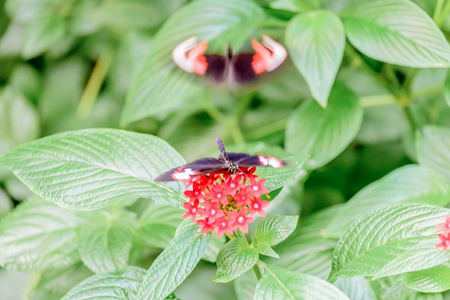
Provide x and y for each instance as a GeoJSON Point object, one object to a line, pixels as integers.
{"type": "Point", "coordinates": [229, 162]}
{"type": "Point", "coordinates": [241, 68]}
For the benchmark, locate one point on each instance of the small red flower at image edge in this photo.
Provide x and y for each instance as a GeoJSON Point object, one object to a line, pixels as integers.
{"type": "Point", "coordinates": [444, 237]}
{"type": "Point", "coordinates": [225, 202]}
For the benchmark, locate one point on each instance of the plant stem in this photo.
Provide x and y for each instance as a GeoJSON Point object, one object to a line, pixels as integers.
{"type": "Point", "coordinates": [378, 100]}
{"type": "Point", "coordinates": [428, 91]}
{"type": "Point", "coordinates": [267, 129]}
{"type": "Point", "coordinates": [443, 14]}
{"type": "Point", "coordinates": [437, 11]}
{"type": "Point", "coordinates": [257, 271]}
{"type": "Point", "coordinates": [32, 282]}
{"type": "Point", "coordinates": [95, 81]}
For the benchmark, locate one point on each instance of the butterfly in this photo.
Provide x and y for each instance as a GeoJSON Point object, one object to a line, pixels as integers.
{"type": "Point", "coordinates": [241, 68]}
{"type": "Point", "coordinates": [227, 162]}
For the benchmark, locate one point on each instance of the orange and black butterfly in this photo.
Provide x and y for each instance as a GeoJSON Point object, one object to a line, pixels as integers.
{"type": "Point", "coordinates": [241, 68]}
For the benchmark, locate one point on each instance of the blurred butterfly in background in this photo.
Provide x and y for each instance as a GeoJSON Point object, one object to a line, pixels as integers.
{"type": "Point", "coordinates": [227, 162]}
{"type": "Point", "coordinates": [241, 68]}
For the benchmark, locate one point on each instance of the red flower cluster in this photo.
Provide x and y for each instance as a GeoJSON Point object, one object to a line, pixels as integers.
{"type": "Point", "coordinates": [225, 201]}
{"type": "Point", "coordinates": [444, 237]}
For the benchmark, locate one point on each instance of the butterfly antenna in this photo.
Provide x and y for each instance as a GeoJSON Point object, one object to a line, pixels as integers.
{"type": "Point", "coordinates": [221, 148]}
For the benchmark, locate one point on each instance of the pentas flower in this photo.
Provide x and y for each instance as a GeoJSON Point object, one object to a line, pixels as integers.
{"type": "Point", "coordinates": [444, 243]}
{"type": "Point", "coordinates": [444, 237]}
{"type": "Point", "coordinates": [445, 226]}
{"type": "Point", "coordinates": [225, 202]}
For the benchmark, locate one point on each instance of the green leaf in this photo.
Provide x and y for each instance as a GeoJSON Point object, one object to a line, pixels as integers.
{"type": "Point", "coordinates": [13, 284]}
{"type": "Point", "coordinates": [19, 120]}
{"type": "Point", "coordinates": [274, 229]}
{"type": "Point", "coordinates": [324, 133]}
{"type": "Point", "coordinates": [37, 236]}
{"type": "Point", "coordinates": [160, 85]}
{"type": "Point", "coordinates": [356, 288]}
{"type": "Point", "coordinates": [245, 285]}
{"type": "Point", "coordinates": [447, 87]}
{"type": "Point", "coordinates": [61, 280]}
{"type": "Point", "coordinates": [393, 240]}
{"type": "Point", "coordinates": [5, 204]}
{"type": "Point", "coordinates": [278, 283]}
{"type": "Point", "coordinates": [433, 149]}
{"type": "Point", "coordinates": [294, 5]}
{"type": "Point", "coordinates": [234, 259]}
{"type": "Point", "coordinates": [175, 263]}
{"type": "Point", "coordinates": [306, 250]}
{"type": "Point", "coordinates": [375, 28]}
{"type": "Point", "coordinates": [42, 33]}
{"type": "Point", "coordinates": [111, 285]}
{"type": "Point", "coordinates": [27, 80]}
{"type": "Point", "coordinates": [157, 225]}
{"type": "Point", "coordinates": [433, 280]}
{"type": "Point", "coordinates": [94, 168]}
{"type": "Point", "coordinates": [104, 240]}
{"type": "Point", "coordinates": [214, 246]}
{"type": "Point", "coordinates": [410, 183]}
{"type": "Point", "coordinates": [316, 42]}
{"type": "Point", "coordinates": [131, 14]}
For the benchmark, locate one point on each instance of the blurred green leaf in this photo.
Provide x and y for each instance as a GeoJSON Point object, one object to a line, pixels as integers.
{"type": "Point", "coordinates": [433, 149]}
{"type": "Point", "coordinates": [129, 14]}
{"type": "Point", "coordinates": [393, 240]}
{"type": "Point", "coordinates": [62, 88]}
{"type": "Point", "coordinates": [447, 87]}
{"type": "Point", "coordinates": [38, 236]}
{"type": "Point", "coordinates": [306, 250]}
{"type": "Point", "coordinates": [111, 285]}
{"type": "Point", "coordinates": [160, 85]}
{"type": "Point", "coordinates": [5, 204]}
{"type": "Point", "coordinates": [410, 183]}
{"type": "Point", "coordinates": [94, 168]}
{"type": "Point", "coordinates": [13, 284]}
{"type": "Point", "coordinates": [26, 80]}
{"type": "Point", "coordinates": [12, 41]}
{"type": "Point", "coordinates": [43, 33]}
{"type": "Point", "coordinates": [157, 225]}
{"type": "Point", "coordinates": [234, 259]}
{"type": "Point", "coordinates": [104, 240]}
{"type": "Point", "coordinates": [382, 124]}
{"type": "Point", "coordinates": [19, 120]}
{"type": "Point", "coordinates": [356, 288]}
{"type": "Point", "coordinates": [61, 280]}
{"type": "Point", "coordinates": [376, 29]}
{"type": "Point", "coordinates": [214, 246]}
{"type": "Point", "coordinates": [278, 283]}
{"type": "Point", "coordinates": [294, 5]}
{"type": "Point", "coordinates": [433, 280]}
{"type": "Point", "coordinates": [245, 285]}
{"type": "Point", "coordinates": [175, 263]}
{"type": "Point", "coordinates": [316, 42]}
{"type": "Point", "coordinates": [274, 229]}
{"type": "Point", "coordinates": [324, 133]}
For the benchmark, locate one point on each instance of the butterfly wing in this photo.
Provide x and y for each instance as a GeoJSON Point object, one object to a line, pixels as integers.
{"type": "Point", "coordinates": [242, 68]}
{"type": "Point", "coordinates": [217, 67]}
{"type": "Point", "coordinates": [267, 57]}
{"type": "Point", "coordinates": [197, 167]}
{"type": "Point", "coordinates": [247, 160]}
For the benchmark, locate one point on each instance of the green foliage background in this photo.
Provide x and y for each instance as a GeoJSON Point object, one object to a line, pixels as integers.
{"type": "Point", "coordinates": [362, 104]}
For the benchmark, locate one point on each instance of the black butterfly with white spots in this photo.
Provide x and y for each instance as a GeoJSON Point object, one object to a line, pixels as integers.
{"type": "Point", "coordinates": [226, 162]}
